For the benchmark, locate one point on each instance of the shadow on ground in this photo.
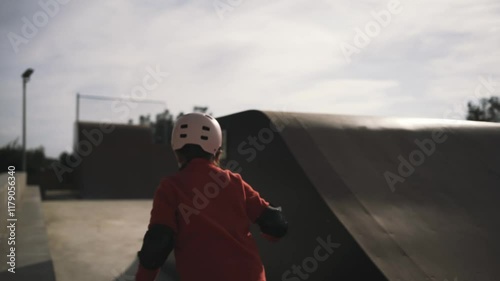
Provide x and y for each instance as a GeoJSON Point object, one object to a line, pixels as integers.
{"type": "Point", "coordinates": [167, 272]}
{"type": "Point", "coordinates": [43, 271]}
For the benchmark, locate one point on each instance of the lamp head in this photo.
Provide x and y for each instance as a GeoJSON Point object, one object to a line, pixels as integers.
{"type": "Point", "coordinates": [27, 73]}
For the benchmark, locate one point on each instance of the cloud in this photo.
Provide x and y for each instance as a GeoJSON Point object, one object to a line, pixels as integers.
{"type": "Point", "coordinates": [264, 55]}
{"type": "Point", "coordinates": [342, 97]}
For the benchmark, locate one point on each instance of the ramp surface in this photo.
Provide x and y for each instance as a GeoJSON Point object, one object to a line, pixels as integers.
{"type": "Point", "coordinates": [335, 175]}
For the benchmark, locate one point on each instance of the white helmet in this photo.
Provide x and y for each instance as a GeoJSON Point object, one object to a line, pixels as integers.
{"type": "Point", "coordinates": [197, 128]}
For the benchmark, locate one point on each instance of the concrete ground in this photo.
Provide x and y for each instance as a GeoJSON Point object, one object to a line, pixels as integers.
{"type": "Point", "coordinates": [33, 260]}
{"type": "Point", "coordinates": [95, 240]}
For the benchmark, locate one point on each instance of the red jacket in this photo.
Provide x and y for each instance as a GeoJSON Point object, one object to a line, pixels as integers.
{"type": "Point", "coordinates": [210, 211]}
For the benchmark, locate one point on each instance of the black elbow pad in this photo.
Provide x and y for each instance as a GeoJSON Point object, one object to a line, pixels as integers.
{"type": "Point", "coordinates": [157, 245]}
{"type": "Point", "coordinates": [272, 222]}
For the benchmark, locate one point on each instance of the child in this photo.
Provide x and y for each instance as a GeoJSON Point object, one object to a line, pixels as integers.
{"type": "Point", "coordinates": [204, 213]}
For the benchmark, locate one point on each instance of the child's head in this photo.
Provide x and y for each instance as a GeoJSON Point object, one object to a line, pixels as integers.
{"type": "Point", "coordinates": [196, 135]}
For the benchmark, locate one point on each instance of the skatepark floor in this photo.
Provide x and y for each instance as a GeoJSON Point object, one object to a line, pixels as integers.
{"type": "Point", "coordinates": [95, 240]}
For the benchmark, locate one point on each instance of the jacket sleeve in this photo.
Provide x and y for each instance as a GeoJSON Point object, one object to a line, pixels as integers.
{"type": "Point", "coordinates": [164, 206]}
{"type": "Point", "coordinates": [144, 274]}
{"type": "Point", "coordinates": [163, 212]}
{"type": "Point", "coordinates": [254, 204]}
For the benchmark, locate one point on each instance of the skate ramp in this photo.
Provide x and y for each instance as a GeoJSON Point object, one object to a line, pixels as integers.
{"type": "Point", "coordinates": [330, 173]}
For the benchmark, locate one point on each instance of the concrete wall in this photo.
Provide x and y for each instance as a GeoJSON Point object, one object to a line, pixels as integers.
{"type": "Point", "coordinates": [124, 164]}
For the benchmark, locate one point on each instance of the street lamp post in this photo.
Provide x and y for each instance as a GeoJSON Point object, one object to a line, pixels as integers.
{"type": "Point", "coordinates": [26, 77]}
{"type": "Point", "coordinates": [77, 107]}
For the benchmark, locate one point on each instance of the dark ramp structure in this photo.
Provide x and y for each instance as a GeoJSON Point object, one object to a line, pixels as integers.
{"type": "Point", "coordinates": [373, 198]}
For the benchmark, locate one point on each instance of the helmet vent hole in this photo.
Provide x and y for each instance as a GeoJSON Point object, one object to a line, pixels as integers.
{"type": "Point", "coordinates": [184, 126]}
{"type": "Point", "coordinates": [209, 117]}
{"type": "Point", "coordinates": [205, 128]}
{"type": "Point", "coordinates": [183, 136]}
{"type": "Point", "coordinates": [204, 137]}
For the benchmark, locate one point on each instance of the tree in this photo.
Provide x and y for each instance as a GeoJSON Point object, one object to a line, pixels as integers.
{"type": "Point", "coordinates": [487, 109]}
{"type": "Point", "coordinates": [11, 155]}
{"type": "Point", "coordinates": [202, 109]}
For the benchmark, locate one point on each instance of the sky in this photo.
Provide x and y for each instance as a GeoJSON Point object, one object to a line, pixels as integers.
{"type": "Point", "coordinates": [383, 58]}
